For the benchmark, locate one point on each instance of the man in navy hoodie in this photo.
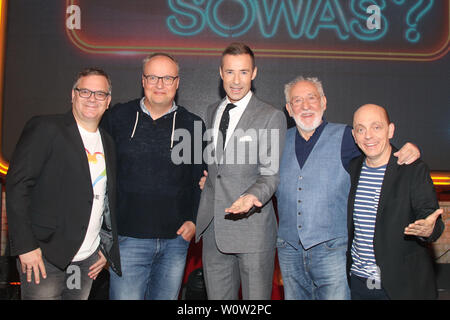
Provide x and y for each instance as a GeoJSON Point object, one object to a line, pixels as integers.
{"type": "Point", "coordinates": [158, 190]}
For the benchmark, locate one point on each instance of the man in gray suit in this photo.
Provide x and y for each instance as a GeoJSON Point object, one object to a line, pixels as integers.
{"type": "Point", "coordinates": [236, 218]}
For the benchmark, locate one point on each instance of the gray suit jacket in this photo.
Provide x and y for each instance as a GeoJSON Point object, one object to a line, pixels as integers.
{"type": "Point", "coordinates": [250, 164]}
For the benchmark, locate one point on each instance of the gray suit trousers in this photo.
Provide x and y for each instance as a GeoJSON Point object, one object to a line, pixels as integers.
{"type": "Point", "coordinates": [225, 272]}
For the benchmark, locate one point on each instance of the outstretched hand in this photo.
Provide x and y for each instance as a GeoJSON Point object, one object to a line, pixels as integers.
{"type": "Point", "coordinates": [244, 204]}
{"type": "Point", "coordinates": [423, 227]}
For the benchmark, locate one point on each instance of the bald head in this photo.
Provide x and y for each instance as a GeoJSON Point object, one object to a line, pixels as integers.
{"type": "Point", "coordinates": [372, 109]}
{"type": "Point", "coordinates": [372, 131]}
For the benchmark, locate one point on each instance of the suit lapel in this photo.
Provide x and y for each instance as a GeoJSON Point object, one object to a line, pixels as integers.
{"type": "Point", "coordinates": [110, 178]}
{"type": "Point", "coordinates": [354, 185]}
{"type": "Point", "coordinates": [210, 117]}
{"type": "Point", "coordinates": [108, 156]}
{"type": "Point", "coordinates": [388, 181]}
{"type": "Point", "coordinates": [76, 143]}
{"type": "Point", "coordinates": [243, 123]}
{"type": "Point", "coordinates": [390, 176]}
{"type": "Point", "coordinates": [247, 116]}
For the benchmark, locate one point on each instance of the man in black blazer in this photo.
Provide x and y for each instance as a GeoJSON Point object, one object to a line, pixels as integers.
{"type": "Point", "coordinates": [60, 193]}
{"type": "Point", "coordinates": [393, 214]}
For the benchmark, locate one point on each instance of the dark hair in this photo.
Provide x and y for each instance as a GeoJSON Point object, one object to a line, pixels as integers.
{"type": "Point", "coordinates": [90, 72]}
{"type": "Point", "coordinates": [238, 48]}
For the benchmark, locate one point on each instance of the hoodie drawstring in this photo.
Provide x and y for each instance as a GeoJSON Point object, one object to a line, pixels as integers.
{"type": "Point", "coordinates": [173, 127]}
{"type": "Point", "coordinates": [173, 130]}
{"type": "Point", "coordinates": [135, 125]}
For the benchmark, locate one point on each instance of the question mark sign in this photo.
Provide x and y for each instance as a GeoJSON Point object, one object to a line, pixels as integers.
{"type": "Point", "coordinates": [415, 13]}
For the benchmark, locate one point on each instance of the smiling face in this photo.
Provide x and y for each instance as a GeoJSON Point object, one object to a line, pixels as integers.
{"type": "Point", "coordinates": [372, 132]}
{"type": "Point", "coordinates": [89, 111]}
{"type": "Point", "coordinates": [306, 106]}
{"type": "Point", "coordinates": [160, 95]}
{"type": "Point", "coordinates": [237, 73]}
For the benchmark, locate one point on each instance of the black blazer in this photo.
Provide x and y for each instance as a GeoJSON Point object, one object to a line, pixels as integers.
{"type": "Point", "coordinates": [407, 195]}
{"type": "Point", "coordinates": [49, 192]}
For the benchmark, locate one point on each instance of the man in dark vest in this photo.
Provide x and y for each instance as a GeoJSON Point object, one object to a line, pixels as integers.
{"type": "Point", "coordinates": [312, 196]}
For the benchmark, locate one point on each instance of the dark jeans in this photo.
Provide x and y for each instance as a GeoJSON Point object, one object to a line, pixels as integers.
{"type": "Point", "coordinates": [73, 283]}
{"type": "Point", "coordinates": [152, 269]}
{"type": "Point", "coordinates": [316, 273]}
{"type": "Point", "coordinates": [360, 290]}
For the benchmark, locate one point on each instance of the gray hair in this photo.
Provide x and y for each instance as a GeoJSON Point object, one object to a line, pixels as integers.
{"type": "Point", "coordinates": [313, 80]}
{"type": "Point", "coordinates": [159, 54]}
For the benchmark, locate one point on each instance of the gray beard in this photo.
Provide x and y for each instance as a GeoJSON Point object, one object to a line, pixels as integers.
{"type": "Point", "coordinates": [305, 128]}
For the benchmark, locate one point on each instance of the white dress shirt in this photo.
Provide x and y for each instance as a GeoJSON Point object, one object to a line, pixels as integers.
{"type": "Point", "coordinates": [235, 116]}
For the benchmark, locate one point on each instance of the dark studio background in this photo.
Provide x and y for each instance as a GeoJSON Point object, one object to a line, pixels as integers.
{"type": "Point", "coordinates": [411, 79]}
{"type": "Point", "coordinates": [42, 62]}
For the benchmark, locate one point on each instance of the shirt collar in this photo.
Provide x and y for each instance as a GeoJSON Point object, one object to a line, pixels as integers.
{"type": "Point", "coordinates": [146, 111]}
{"type": "Point", "coordinates": [241, 104]}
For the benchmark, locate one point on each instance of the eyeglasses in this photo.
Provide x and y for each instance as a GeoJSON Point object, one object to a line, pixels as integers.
{"type": "Point", "coordinates": [152, 79]}
{"type": "Point", "coordinates": [298, 101]}
{"type": "Point", "coordinates": [86, 93]}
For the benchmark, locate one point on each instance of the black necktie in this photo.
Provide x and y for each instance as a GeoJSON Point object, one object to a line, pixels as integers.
{"type": "Point", "coordinates": [224, 122]}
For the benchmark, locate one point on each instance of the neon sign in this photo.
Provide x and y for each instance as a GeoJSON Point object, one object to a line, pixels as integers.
{"type": "Point", "coordinates": [303, 18]}
{"type": "Point", "coordinates": [350, 29]}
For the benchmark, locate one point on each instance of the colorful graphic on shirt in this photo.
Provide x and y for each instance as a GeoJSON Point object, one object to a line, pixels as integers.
{"type": "Point", "coordinates": [92, 159]}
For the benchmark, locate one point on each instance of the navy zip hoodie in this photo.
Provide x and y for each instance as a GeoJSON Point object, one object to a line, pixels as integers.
{"type": "Point", "coordinates": [155, 195]}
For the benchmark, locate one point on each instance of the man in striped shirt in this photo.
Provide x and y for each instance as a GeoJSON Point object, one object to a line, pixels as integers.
{"type": "Point", "coordinates": [390, 214]}
{"type": "Point", "coordinates": [312, 196]}
{"type": "Point", "coordinates": [364, 216]}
